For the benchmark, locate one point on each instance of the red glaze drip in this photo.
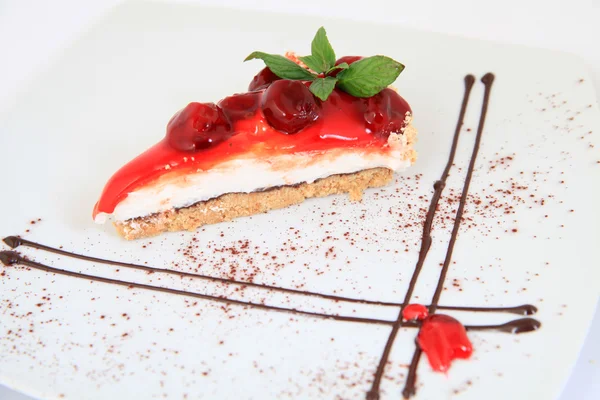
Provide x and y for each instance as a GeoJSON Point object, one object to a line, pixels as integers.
{"type": "Point", "coordinates": [341, 125]}
{"type": "Point", "coordinates": [443, 339]}
{"type": "Point", "coordinates": [414, 312]}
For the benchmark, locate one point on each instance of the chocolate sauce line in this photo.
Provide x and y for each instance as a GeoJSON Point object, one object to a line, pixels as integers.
{"type": "Point", "coordinates": [487, 80]}
{"type": "Point", "coordinates": [525, 309]}
{"type": "Point", "coordinates": [410, 387]}
{"type": "Point", "coordinates": [517, 326]}
{"type": "Point", "coordinates": [438, 186]}
{"type": "Point", "coordinates": [14, 242]}
{"type": "Point", "coordinates": [11, 258]}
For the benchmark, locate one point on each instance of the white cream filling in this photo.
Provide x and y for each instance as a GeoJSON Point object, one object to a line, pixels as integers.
{"type": "Point", "coordinates": [249, 175]}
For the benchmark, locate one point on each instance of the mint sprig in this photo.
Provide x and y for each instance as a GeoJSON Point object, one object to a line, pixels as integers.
{"type": "Point", "coordinates": [339, 66]}
{"type": "Point", "coordinates": [369, 76]}
{"type": "Point", "coordinates": [322, 87]}
{"type": "Point", "coordinates": [363, 78]}
{"type": "Point", "coordinates": [322, 56]}
{"type": "Point", "coordinates": [282, 67]}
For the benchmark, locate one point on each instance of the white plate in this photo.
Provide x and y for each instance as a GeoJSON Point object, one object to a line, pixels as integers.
{"type": "Point", "coordinates": [110, 96]}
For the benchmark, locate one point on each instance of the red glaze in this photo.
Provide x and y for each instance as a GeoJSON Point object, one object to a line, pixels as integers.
{"type": "Point", "coordinates": [341, 125]}
{"type": "Point", "coordinates": [414, 312]}
{"type": "Point", "coordinates": [443, 339]}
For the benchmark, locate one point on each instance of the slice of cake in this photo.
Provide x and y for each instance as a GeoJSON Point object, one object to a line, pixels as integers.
{"type": "Point", "coordinates": [303, 130]}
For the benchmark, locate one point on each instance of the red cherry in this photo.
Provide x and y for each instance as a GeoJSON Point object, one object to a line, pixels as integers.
{"type": "Point", "coordinates": [240, 106]}
{"type": "Point", "coordinates": [346, 59]}
{"type": "Point", "coordinates": [289, 106]}
{"type": "Point", "coordinates": [198, 126]}
{"type": "Point", "coordinates": [384, 113]}
{"type": "Point", "coordinates": [263, 79]}
{"type": "Point", "coordinates": [396, 104]}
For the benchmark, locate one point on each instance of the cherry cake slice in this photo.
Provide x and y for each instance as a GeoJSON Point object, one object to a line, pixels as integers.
{"type": "Point", "coordinates": [271, 147]}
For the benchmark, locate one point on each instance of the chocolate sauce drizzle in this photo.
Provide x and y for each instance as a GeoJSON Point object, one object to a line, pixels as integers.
{"type": "Point", "coordinates": [9, 258]}
{"type": "Point", "coordinates": [426, 240]}
{"type": "Point", "coordinates": [488, 80]}
{"type": "Point", "coordinates": [521, 325]}
{"type": "Point", "coordinates": [517, 326]}
{"type": "Point", "coordinates": [525, 309]}
{"type": "Point", "coordinates": [15, 241]}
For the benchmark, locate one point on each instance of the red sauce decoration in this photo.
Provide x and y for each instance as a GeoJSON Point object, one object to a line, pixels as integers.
{"type": "Point", "coordinates": [414, 312]}
{"type": "Point", "coordinates": [203, 135]}
{"type": "Point", "coordinates": [443, 339]}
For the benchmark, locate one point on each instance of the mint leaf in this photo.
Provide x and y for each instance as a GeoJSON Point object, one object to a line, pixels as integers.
{"type": "Point", "coordinates": [322, 52]}
{"type": "Point", "coordinates": [322, 87]}
{"type": "Point", "coordinates": [312, 63]}
{"type": "Point", "coordinates": [369, 76]}
{"type": "Point", "coordinates": [281, 66]}
{"type": "Point", "coordinates": [336, 67]}
{"type": "Point", "coordinates": [363, 78]}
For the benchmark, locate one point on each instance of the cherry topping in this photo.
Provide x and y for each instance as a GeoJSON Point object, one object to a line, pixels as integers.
{"type": "Point", "coordinates": [346, 59]}
{"type": "Point", "coordinates": [385, 112]}
{"type": "Point", "coordinates": [198, 126]}
{"type": "Point", "coordinates": [289, 106]}
{"type": "Point", "coordinates": [263, 79]}
{"type": "Point", "coordinates": [240, 106]}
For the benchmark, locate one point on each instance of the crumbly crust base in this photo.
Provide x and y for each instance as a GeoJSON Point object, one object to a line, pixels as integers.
{"type": "Point", "coordinates": [235, 205]}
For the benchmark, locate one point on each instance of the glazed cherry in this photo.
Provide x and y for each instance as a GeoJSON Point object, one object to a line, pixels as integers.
{"type": "Point", "coordinates": [289, 106]}
{"type": "Point", "coordinates": [263, 79]}
{"type": "Point", "coordinates": [384, 113]}
{"type": "Point", "coordinates": [198, 126]}
{"type": "Point", "coordinates": [240, 106]}
{"type": "Point", "coordinates": [346, 59]}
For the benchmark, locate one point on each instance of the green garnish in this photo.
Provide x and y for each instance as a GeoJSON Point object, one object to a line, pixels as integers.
{"type": "Point", "coordinates": [323, 56]}
{"type": "Point", "coordinates": [369, 76]}
{"type": "Point", "coordinates": [322, 87]}
{"type": "Point", "coordinates": [282, 67]}
{"type": "Point", "coordinates": [362, 78]}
